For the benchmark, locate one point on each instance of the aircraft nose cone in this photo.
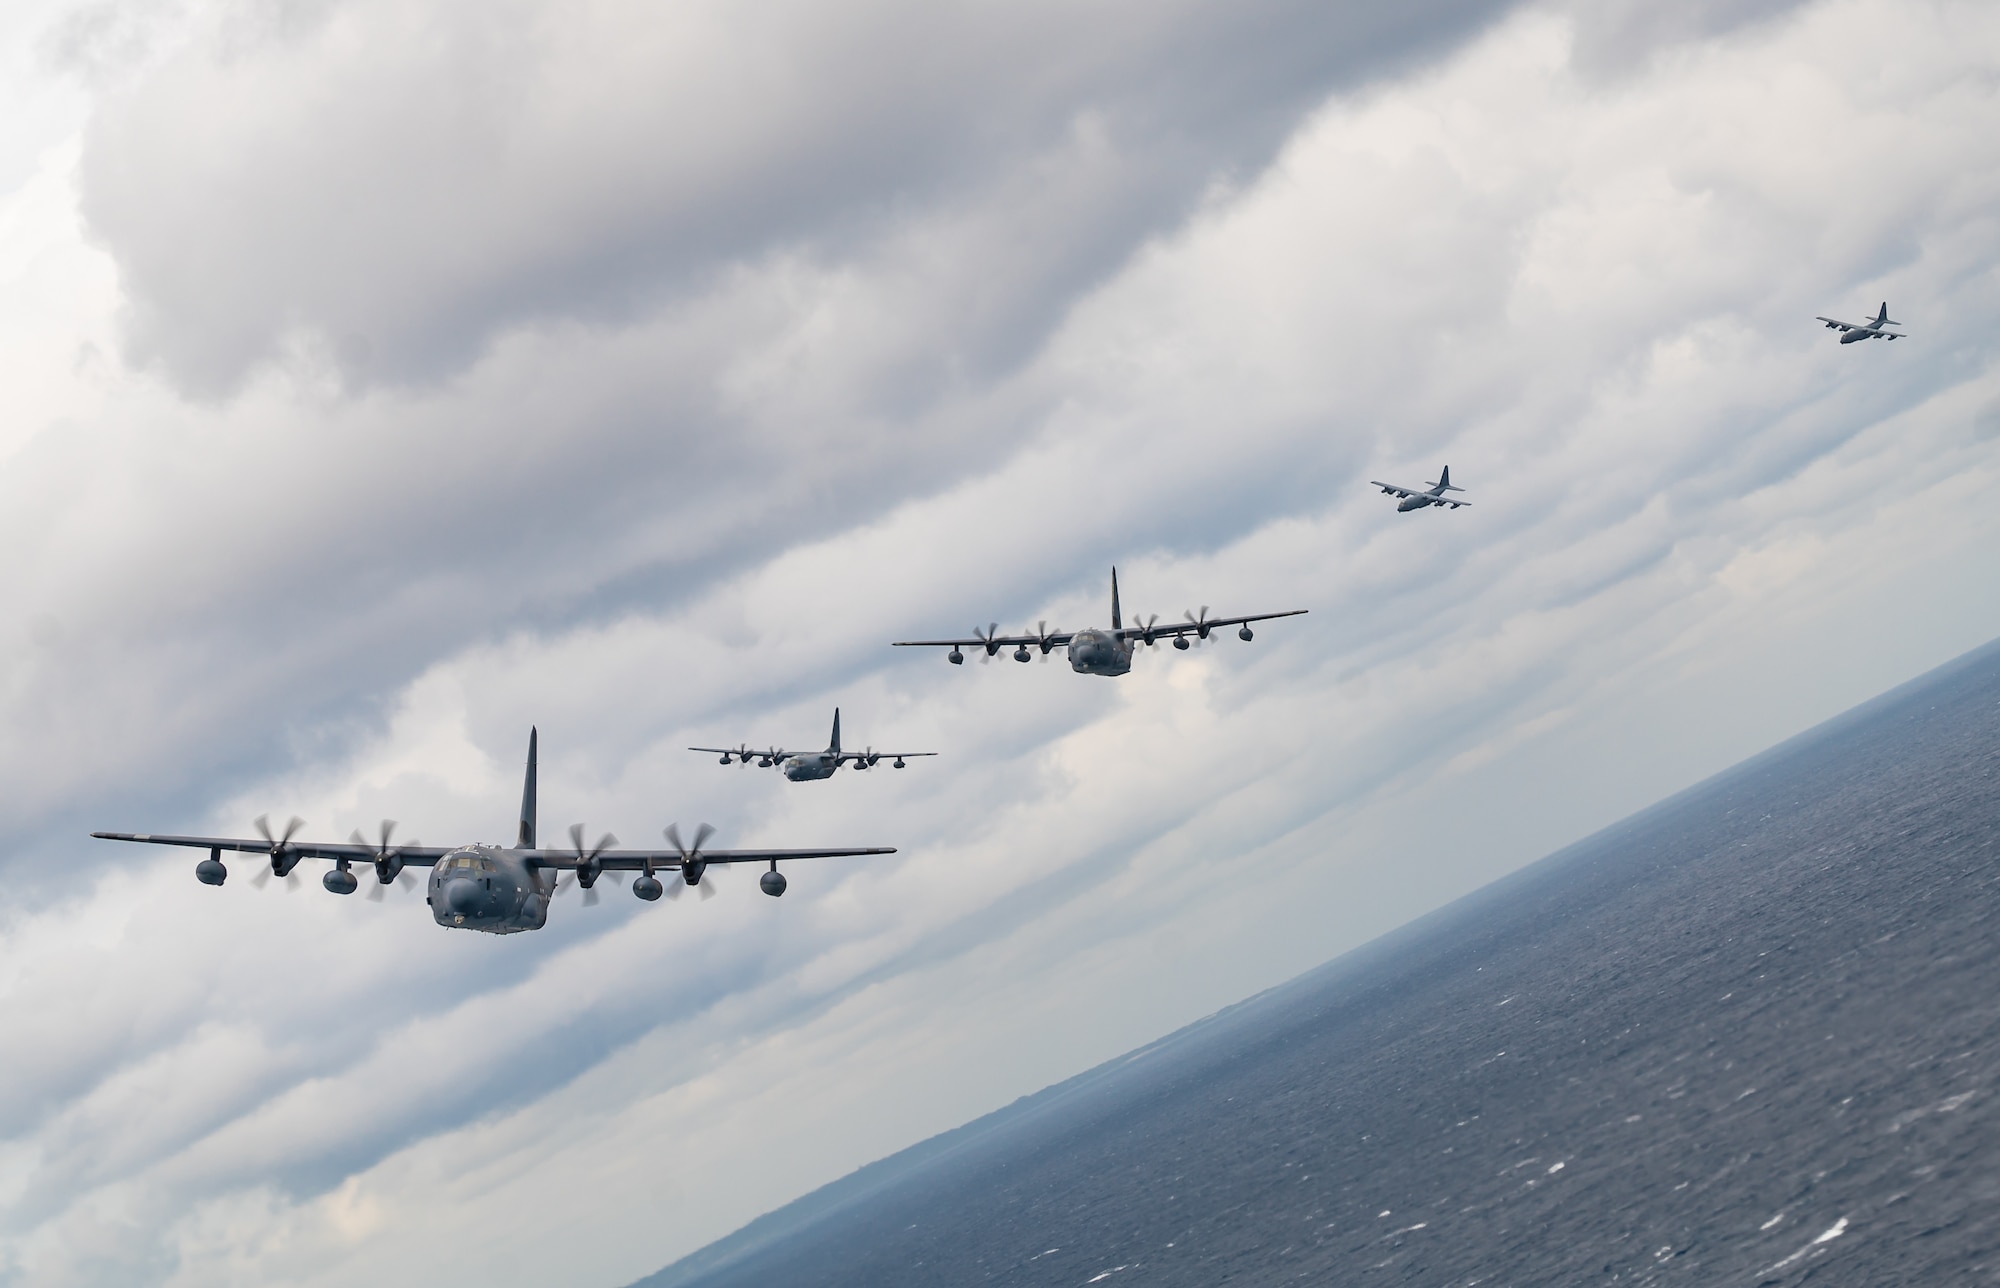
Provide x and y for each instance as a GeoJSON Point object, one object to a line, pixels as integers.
{"type": "Point", "coordinates": [461, 896]}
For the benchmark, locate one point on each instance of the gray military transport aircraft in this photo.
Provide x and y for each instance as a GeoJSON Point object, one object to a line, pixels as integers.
{"type": "Point", "coordinates": [1094, 651]}
{"type": "Point", "coordinates": [1874, 328]}
{"type": "Point", "coordinates": [806, 766]}
{"type": "Point", "coordinates": [1415, 500]}
{"type": "Point", "coordinates": [497, 889]}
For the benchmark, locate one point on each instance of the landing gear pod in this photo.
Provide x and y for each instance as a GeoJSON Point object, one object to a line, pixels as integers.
{"type": "Point", "coordinates": [210, 870]}
{"type": "Point", "coordinates": [647, 888]}
{"type": "Point", "coordinates": [772, 882]}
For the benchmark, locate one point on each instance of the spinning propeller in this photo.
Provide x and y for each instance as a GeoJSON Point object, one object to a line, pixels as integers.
{"type": "Point", "coordinates": [284, 856]}
{"type": "Point", "coordinates": [1202, 626]}
{"type": "Point", "coordinates": [694, 869]}
{"type": "Point", "coordinates": [987, 641]}
{"type": "Point", "coordinates": [388, 862]}
{"type": "Point", "coordinates": [587, 867]}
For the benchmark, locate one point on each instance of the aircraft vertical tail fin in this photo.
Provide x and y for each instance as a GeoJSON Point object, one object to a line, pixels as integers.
{"type": "Point", "coordinates": [1116, 623]}
{"type": "Point", "coordinates": [836, 731]}
{"type": "Point", "coordinates": [525, 840]}
{"type": "Point", "coordinates": [1444, 483]}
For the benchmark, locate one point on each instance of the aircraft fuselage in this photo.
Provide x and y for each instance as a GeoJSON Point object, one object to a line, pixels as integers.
{"type": "Point", "coordinates": [485, 887]}
{"type": "Point", "coordinates": [1417, 502]}
{"type": "Point", "coordinates": [1095, 652]}
{"type": "Point", "coordinates": [808, 766]}
{"type": "Point", "coordinates": [1852, 334]}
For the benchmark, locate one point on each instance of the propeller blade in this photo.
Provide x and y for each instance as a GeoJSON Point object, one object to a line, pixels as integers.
{"type": "Point", "coordinates": [263, 825]}
{"type": "Point", "coordinates": [706, 888]}
{"type": "Point", "coordinates": [689, 852]}
{"type": "Point", "coordinates": [590, 897]}
{"type": "Point", "coordinates": [676, 887]}
{"type": "Point", "coordinates": [291, 880]}
{"type": "Point", "coordinates": [375, 892]}
{"type": "Point", "coordinates": [263, 877]}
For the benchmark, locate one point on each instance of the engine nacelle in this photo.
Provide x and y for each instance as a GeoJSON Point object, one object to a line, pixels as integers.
{"type": "Point", "coordinates": [772, 883]}
{"type": "Point", "coordinates": [339, 881]}
{"type": "Point", "coordinates": [648, 888]}
{"type": "Point", "coordinates": [211, 872]}
{"type": "Point", "coordinates": [1245, 635]}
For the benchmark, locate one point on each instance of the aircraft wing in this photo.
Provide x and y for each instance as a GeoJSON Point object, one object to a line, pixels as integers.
{"type": "Point", "coordinates": [1395, 490]}
{"type": "Point", "coordinates": [421, 856]}
{"type": "Point", "coordinates": [846, 756]}
{"type": "Point", "coordinates": [1837, 324]}
{"type": "Point", "coordinates": [636, 860]}
{"type": "Point", "coordinates": [776, 753]}
{"type": "Point", "coordinates": [1056, 639]}
{"type": "Point", "coordinates": [1168, 630]}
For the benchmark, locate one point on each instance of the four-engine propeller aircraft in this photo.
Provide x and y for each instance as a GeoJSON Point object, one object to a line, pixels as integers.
{"type": "Point", "coordinates": [1876, 328]}
{"type": "Point", "coordinates": [806, 766]}
{"type": "Point", "coordinates": [1415, 500]}
{"type": "Point", "coordinates": [497, 889]}
{"type": "Point", "coordinates": [1097, 652]}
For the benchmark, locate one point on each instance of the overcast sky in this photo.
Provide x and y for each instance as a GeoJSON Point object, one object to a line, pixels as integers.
{"type": "Point", "coordinates": [383, 377]}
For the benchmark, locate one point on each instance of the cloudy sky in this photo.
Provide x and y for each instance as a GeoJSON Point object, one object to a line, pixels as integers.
{"type": "Point", "coordinates": [385, 376]}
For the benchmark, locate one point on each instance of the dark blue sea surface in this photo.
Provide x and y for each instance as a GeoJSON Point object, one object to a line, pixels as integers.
{"type": "Point", "coordinates": [1750, 1036]}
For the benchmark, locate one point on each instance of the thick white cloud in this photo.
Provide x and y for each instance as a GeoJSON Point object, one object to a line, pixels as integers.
{"type": "Point", "coordinates": [1153, 287]}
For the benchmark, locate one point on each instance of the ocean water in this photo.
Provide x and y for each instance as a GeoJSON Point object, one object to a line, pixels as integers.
{"type": "Point", "coordinates": [1750, 1036]}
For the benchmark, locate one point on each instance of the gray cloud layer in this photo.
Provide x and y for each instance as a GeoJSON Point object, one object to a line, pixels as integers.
{"type": "Point", "coordinates": [641, 380]}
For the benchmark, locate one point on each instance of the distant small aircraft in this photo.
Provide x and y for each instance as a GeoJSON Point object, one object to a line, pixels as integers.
{"type": "Point", "coordinates": [1873, 329]}
{"type": "Point", "coordinates": [496, 889]}
{"type": "Point", "coordinates": [1415, 500]}
{"type": "Point", "coordinates": [1094, 651]}
{"type": "Point", "coordinates": [806, 766]}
